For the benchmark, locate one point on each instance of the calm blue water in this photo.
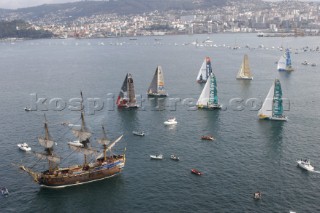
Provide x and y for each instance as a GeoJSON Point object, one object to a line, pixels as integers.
{"type": "Point", "coordinates": [248, 155]}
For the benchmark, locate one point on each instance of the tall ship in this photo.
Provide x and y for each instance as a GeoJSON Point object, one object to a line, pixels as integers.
{"type": "Point", "coordinates": [103, 166]}
{"type": "Point", "coordinates": [127, 96]}
{"type": "Point", "coordinates": [209, 95]}
{"type": "Point", "coordinates": [156, 87]}
{"type": "Point", "coordinates": [205, 71]}
{"type": "Point", "coordinates": [272, 107]}
{"type": "Point", "coordinates": [284, 63]}
{"type": "Point", "coordinates": [244, 71]}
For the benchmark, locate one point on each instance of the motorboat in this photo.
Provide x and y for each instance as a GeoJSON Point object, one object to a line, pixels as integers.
{"type": "Point", "coordinates": [171, 121]}
{"type": "Point", "coordinates": [24, 147]}
{"type": "Point", "coordinates": [4, 191]}
{"type": "Point", "coordinates": [305, 63]}
{"type": "Point", "coordinates": [174, 157]}
{"type": "Point", "coordinates": [75, 143]}
{"type": "Point", "coordinates": [156, 157]}
{"type": "Point", "coordinates": [27, 109]}
{"type": "Point", "coordinates": [257, 195]}
{"type": "Point", "coordinates": [196, 172]}
{"type": "Point", "coordinates": [138, 133]}
{"type": "Point", "coordinates": [207, 137]}
{"type": "Point", "coordinates": [305, 164]}
{"type": "Point", "coordinates": [313, 64]}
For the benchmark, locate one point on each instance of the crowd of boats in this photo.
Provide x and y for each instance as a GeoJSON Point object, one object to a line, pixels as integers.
{"type": "Point", "coordinates": [271, 109]}
{"type": "Point", "coordinates": [107, 165]}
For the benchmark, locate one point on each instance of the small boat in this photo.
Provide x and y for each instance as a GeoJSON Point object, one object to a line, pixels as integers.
{"type": "Point", "coordinates": [257, 195]}
{"type": "Point", "coordinates": [4, 191]}
{"type": "Point", "coordinates": [171, 121]}
{"type": "Point", "coordinates": [305, 164]}
{"type": "Point", "coordinates": [284, 63]}
{"type": "Point", "coordinates": [272, 107]}
{"type": "Point", "coordinates": [156, 157]}
{"type": "Point", "coordinates": [75, 143]}
{"type": "Point", "coordinates": [313, 64]}
{"type": "Point", "coordinates": [209, 96]}
{"type": "Point", "coordinates": [305, 63]}
{"type": "Point", "coordinates": [196, 172]}
{"type": "Point", "coordinates": [24, 147]}
{"type": "Point", "coordinates": [207, 137]}
{"type": "Point", "coordinates": [27, 109]}
{"type": "Point", "coordinates": [156, 87]}
{"type": "Point", "coordinates": [174, 157]}
{"type": "Point", "coordinates": [138, 133]}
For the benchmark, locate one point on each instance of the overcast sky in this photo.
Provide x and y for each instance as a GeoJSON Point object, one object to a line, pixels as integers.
{"type": "Point", "coordinates": [14, 4]}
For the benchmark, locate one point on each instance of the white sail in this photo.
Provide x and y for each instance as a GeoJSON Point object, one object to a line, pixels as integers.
{"type": "Point", "coordinates": [266, 109]}
{"type": "Point", "coordinates": [282, 63]}
{"type": "Point", "coordinates": [204, 97]}
{"type": "Point", "coordinates": [45, 142]}
{"type": "Point", "coordinates": [161, 90]}
{"type": "Point", "coordinates": [202, 72]}
{"type": "Point", "coordinates": [244, 71]}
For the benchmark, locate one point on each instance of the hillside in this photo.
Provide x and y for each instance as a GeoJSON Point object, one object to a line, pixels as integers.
{"type": "Point", "coordinates": [120, 7]}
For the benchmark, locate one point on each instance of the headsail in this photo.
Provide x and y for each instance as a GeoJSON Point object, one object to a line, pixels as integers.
{"type": "Point", "coordinates": [266, 109]}
{"type": "Point", "coordinates": [244, 71]}
{"type": "Point", "coordinates": [205, 70]}
{"type": "Point", "coordinates": [127, 97]}
{"type": "Point", "coordinates": [156, 87]}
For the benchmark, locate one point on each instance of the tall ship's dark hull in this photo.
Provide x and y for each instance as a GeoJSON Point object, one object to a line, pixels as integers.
{"type": "Point", "coordinates": [76, 175]}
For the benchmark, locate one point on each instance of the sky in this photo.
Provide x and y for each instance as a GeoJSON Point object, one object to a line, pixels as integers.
{"type": "Point", "coordinates": [14, 4]}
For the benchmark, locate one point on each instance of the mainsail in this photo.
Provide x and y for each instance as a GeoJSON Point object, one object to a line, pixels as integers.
{"type": "Point", "coordinates": [272, 107]}
{"type": "Point", "coordinates": [127, 97]}
{"type": "Point", "coordinates": [244, 72]}
{"type": "Point", "coordinates": [156, 87]}
{"type": "Point", "coordinates": [205, 70]}
{"type": "Point", "coordinates": [209, 94]}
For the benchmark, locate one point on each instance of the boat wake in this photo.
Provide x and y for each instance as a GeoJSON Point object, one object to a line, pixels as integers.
{"type": "Point", "coordinates": [315, 171]}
